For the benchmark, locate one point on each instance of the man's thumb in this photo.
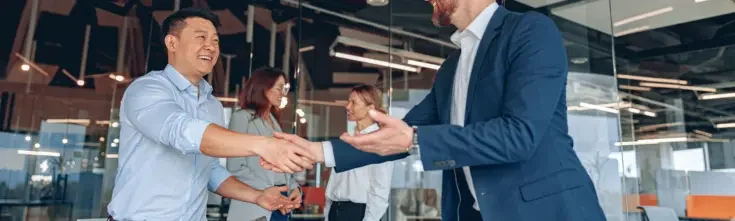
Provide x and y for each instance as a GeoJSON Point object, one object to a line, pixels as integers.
{"type": "Point", "coordinates": [379, 117]}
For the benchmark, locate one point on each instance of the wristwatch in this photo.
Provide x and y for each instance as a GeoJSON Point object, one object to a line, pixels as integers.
{"type": "Point", "coordinates": [414, 149]}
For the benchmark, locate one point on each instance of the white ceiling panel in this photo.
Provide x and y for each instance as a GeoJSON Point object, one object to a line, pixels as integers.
{"type": "Point", "coordinates": [630, 16]}
{"type": "Point", "coordinates": [539, 3]}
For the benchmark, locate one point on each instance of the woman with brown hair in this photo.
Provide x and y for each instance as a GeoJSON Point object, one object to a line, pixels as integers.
{"type": "Point", "coordinates": [260, 113]}
{"type": "Point", "coordinates": [360, 194]}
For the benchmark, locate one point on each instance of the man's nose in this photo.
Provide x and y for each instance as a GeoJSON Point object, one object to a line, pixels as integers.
{"type": "Point", "coordinates": [210, 46]}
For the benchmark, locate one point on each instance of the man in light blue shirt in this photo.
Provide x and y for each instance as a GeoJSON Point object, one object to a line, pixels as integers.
{"type": "Point", "coordinates": [173, 131]}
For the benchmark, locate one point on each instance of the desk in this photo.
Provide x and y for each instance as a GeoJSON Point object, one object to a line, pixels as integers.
{"type": "Point", "coordinates": [36, 203]}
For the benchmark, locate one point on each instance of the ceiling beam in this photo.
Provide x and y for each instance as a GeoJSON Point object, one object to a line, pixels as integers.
{"type": "Point", "coordinates": [685, 48]}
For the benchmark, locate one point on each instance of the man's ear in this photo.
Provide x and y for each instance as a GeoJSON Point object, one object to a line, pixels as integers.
{"type": "Point", "coordinates": [171, 43]}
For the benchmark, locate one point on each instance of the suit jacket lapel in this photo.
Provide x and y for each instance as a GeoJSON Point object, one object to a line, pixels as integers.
{"type": "Point", "coordinates": [492, 30]}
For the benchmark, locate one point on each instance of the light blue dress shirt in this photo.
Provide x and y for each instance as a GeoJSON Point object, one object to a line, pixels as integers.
{"type": "Point", "coordinates": [161, 173]}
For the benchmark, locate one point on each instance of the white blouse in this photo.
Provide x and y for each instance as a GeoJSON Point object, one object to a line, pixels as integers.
{"type": "Point", "coordinates": [369, 185]}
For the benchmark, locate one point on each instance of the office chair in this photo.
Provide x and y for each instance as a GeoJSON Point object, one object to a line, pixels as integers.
{"type": "Point", "coordinates": [655, 213]}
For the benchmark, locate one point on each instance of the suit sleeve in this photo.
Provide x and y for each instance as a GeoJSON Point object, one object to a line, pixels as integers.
{"type": "Point", "coordinates": [347, 157]}
{"type": "Point", "coordinates": [534, 86]}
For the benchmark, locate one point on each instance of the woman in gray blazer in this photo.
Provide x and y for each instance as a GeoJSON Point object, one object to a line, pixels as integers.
{"type": "Point", "coordinates": [260, 101]}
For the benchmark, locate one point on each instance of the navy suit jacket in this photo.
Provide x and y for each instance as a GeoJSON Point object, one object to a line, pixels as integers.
{"type": "Point", "coordinates": [515, 139]}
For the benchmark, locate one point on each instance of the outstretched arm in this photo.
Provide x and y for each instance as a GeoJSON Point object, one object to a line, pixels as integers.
{"type": "Point", "coordinates": [149, 107]}
{"type": "Point", "coordinates": [538, 65]}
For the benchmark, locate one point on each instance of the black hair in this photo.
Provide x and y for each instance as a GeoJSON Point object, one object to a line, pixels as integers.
{"type": "Point", "coordinates": [175, 21]}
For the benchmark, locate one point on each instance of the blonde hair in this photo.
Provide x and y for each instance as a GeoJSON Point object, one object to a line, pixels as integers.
{"type": "Point", "coordinates": [371, 95]}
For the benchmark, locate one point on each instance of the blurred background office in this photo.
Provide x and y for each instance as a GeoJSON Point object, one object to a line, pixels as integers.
{"type": "Point", "coordinates": [650, 93]}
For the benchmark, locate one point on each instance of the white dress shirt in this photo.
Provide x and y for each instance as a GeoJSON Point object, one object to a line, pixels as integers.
{"type": "Point", "coordinates": [369, 185]}
{"type": "Point", "coordinates": [161, 174]}
{"type": "Point", "coordinates": [468, 40]}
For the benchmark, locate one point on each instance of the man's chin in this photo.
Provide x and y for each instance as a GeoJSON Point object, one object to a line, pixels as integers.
{"type": "Point", "coordinates": [440, 23]}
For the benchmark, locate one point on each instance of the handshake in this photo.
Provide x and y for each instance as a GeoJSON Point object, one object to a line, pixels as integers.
{"type": "Point", "coordinates": [289, 153]}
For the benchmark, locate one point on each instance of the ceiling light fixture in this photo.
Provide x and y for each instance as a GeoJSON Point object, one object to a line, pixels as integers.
{"type": "Point", "coordinates": [716, 96]}
{"type": "Point", "coordinates": [660, 80]}
{"type": "Point", "coordinates": [378, 2]}
{"type": "Point", "coordinates": [652, 141]}
{"type": "Point", "coordinates": [388, 50]}
{"type": "Point", "coordinates": [634, 88]}
{"type": "Point", "coordinates": [600, 108]}
{"type": "Point", "coordinates": [423, 64]}
{"type": "Point", "coordinates": [674, 86]}
{"type": "Point", "coordinates": [649, 113]}
{"type": "Point", "coordinates": [643, 16]}
{"type": "Point", "coordinates": [632, 30]}
{"type": "Point", "coordinates": [703, 133]}
{"type": "Point", "coordinates": [375, 62]}
{"type": "Point", "coordinates": [725, 125]}
{"type": "Point", "coordinates": [39, 153]}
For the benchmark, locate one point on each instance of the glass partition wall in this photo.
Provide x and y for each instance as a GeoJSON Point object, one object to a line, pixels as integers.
{"type": "Point", "coordinates": [61, 93]}
{"type": "Point", "coordinates": [677, 80]}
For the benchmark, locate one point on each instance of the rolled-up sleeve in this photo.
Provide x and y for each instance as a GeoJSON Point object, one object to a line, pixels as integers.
{"type": "Point", "coordinates": [218, 176]}
{"type": "Point", "coordinates": [149, 107]}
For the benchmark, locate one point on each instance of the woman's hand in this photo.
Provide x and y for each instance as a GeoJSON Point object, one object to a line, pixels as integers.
{"type": "Point", "coordinates": [271, 199]}
{"type": "Point", "coordinates": [295, 198]}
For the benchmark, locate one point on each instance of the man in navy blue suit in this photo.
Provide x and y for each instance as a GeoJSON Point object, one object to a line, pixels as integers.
{"type": "Point", "coordinates": [495, 122]}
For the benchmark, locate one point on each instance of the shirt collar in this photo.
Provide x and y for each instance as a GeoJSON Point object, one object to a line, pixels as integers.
{"type": "Point", "coordinates": [477, 26]}
{"type": "Point", "coordinates": [371, 128]}
{"type": "Point", "coordinates": [182, 83]}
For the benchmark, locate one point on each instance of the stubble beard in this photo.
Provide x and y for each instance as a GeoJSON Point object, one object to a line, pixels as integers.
{"type": "Point", "coordinates": [443, 10]}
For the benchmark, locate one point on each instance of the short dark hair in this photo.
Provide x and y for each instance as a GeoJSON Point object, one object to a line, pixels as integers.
{"type": "Point", "coordinates": [175, 21]}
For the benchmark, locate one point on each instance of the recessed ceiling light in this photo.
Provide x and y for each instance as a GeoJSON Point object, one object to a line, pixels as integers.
{"type": "Point", "coordinates": [378, 2]}
{"type": "Point", "coordinates": [579, 60]}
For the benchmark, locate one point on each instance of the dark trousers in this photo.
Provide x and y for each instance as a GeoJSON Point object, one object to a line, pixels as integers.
{"type": "Point", "coordinates": [470, 215]}
{"type": "Point", "coordinates": [346, 211]}
{"type": "Point", "coordinates": [466, 211]}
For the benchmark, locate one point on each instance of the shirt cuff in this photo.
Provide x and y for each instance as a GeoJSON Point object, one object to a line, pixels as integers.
{"type": "Point", "coordinates": [328, 154]}
{"type": "Point", "coordinates": [193, 135]}
{"type": "Point", "coordinates": [218, 176]}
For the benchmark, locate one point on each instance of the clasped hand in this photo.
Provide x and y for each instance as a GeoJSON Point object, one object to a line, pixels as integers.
{"type": "Point", "coordinates": [393, 137]}
{"type": "Point", "coordinates": [271, 199]}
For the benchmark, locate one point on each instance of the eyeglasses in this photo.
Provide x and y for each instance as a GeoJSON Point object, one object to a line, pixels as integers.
{"type": "Point", "coordinates": [284, 89]}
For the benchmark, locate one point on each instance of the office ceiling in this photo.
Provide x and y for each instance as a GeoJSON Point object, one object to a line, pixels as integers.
{"type": "Point", "coordinates": [681, 39]}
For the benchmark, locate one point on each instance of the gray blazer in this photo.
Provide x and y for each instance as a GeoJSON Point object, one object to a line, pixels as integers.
{"type": "Point", "coordinates": [248, 169]}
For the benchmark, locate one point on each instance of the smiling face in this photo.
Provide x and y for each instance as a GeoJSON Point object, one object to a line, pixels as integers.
{"type": "Point", "coordinates": [276, 93]}
{"type": "Point", "coordinates": [357, 108]}
{"type": "Point", "coordinates": [194, 48]}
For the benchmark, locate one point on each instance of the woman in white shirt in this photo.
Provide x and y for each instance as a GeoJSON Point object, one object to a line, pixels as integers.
{"type": "Point", "coordinates": [360, 194]}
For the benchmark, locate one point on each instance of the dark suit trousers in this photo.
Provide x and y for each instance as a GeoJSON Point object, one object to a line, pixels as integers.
{"type": "Point", "coordinates": [346, 211]}
{"type": "Point", "coordinates": [466, 211]}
